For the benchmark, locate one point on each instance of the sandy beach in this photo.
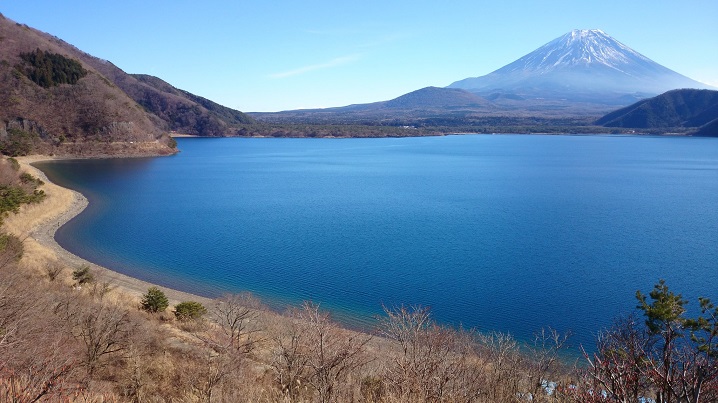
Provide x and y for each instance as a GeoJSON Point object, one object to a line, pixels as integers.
{"type": "Point", "coordinates": [36, 225]}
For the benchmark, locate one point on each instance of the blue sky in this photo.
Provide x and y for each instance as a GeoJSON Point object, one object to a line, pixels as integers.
{"type": "Point", "coordinates": [278, 55]}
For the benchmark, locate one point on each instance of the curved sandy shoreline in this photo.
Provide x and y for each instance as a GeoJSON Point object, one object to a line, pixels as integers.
{"type": "Point", "coordinates": [36, 226]}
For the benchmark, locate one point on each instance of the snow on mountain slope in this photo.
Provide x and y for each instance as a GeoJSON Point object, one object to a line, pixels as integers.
{"type": "Point", "coordinates": [586, 65]}
{"type": "Point", "coordinates": [581, 47]}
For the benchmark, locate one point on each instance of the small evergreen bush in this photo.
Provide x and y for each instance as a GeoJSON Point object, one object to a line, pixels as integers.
{"type": "Point", "coordinates": [83, 275]}
{"type": "Point", "coordinates": [155, 300]}
{"type": "Point", "coordinates": [189, 310]}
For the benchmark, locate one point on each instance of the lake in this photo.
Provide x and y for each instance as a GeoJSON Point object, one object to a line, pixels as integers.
{"type": "Point", "coordinates": [507, 232]}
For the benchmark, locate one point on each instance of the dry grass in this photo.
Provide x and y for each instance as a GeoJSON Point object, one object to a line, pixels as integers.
{"type": "Point", "coordinates": [58, 201]}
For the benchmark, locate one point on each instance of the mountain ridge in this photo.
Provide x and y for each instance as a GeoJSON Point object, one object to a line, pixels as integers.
{"type": "Point", "coordinates": [178, 110]}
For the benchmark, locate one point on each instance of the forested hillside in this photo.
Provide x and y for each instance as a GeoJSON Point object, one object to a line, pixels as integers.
{"type": "Point", "coordinates": [678, 108]}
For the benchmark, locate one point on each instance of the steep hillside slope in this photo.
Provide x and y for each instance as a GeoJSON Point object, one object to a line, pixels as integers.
{"type": "Point", "coordinates": [178, 110]}
{"type": "Point", "coordinates": [53, 102]}
{"type": "Point", "coordinates": [221, 112]}
{"type": "Point", "coordinates": [677, 108]}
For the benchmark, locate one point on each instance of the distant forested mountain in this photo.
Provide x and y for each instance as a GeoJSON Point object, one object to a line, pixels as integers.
{"type": "Point", "coordinates": [419, 105]}
{"type": "Point", "coordinates": [677, 108]}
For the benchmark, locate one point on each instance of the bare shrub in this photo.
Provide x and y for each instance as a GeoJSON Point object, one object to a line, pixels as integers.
{"type": "Point", "coordinates": [314, 354]}
{"type": "Point", "coordinates": [505, 371]}
{"type": "Point", "coordinates": [203, 380]}
{"type": "Point", "coordinates": [434, 363]}
{"type": "Point", "coordinates": [35, 361]}
{"type": "Point", "coordinates": [543, 366]}
{"type": "Point", "coordinates": [43, 368]}
{"type": "Point", "coordinates": [11, 249]}
{"type": "Point", "coordinates": [101, 329]}
{"type": "Point", "coordinates": [616, 369]}
{"type": "Point", "coordinates": [236, 315]}
{"type": "Point", "coordinates": [289, 362]}
{"type": "Point", "coordinates": [53, 270]}
{"type": "Point", "coordinates": [100, 289]}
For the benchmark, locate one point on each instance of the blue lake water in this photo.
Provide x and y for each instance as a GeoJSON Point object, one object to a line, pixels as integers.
{"type": "Point", "coordinates": [508, 233]}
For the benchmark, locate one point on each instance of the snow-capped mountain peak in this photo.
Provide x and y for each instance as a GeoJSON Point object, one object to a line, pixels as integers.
{"type": "Point", "coordinates": [585, 62]}
{"type": "Point", "coordinates": [579, 47]}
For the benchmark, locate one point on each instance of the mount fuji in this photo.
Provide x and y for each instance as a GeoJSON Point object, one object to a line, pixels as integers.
{"type": "Point", "coordinates": [581, 66]}
{"type": "Point", "coordinates": [582, 75]}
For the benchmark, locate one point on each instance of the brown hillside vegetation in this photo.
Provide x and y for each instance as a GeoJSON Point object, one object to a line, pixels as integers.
{"type": "Point", "coordinates": [68, 333]}
{"type": "Point", "coordinates": [80, 116]}
{"type": "Point", "coordinates": [177, 110]}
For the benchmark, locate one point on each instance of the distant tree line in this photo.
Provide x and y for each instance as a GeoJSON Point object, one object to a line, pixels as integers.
{"type": "Point", "coordinates": [311, 130]}
{"type": "Point", "coordinates": [48, 69]}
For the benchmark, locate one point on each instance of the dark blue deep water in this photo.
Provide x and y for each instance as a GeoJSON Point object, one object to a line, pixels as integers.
{"type": "Point", "coordinates": [507, 233]}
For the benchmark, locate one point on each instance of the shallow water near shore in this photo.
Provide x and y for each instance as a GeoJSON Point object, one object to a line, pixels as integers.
{"type": "Point", "coordinates": [508, 233]}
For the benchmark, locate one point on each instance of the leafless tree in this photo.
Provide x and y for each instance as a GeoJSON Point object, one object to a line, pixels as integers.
{"type": "Point", "coordinates": [332, 353]}
{"type": "Point", "coordinates": [435, 363]}
{"type": "Point", "coordinates": [102, 329]}
{"type": "Point", "coordinates": [616, 371]}
{"type": "Point", "coordinates": [99, 289]}
{"type": "Point", "coordinates": [504, 365]}
{"type": "Point", "coordinates": [236, 315]}
{"type": "Point", "coordinates": [39, 372]}
{"type": "Point", "coordinates": [315, 353]}
{"type": "Point", "coordinates": [206, 375]}
{"type": "Point", "coordinates": [18, 303]}
{"type": "Point", "coordinates": [289, 361]}
{"type": "Point", "coordinates": [35, 361]}
{"type": "Point", "coordinates": [543, 366]}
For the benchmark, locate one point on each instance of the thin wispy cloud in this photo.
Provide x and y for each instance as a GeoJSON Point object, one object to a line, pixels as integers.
{"type": "Point", "coordinates": [336, 62]}
{"type": "Point", "coordinates": [386, 39]}
{"type": "Point", "coordinates": [333, 32]}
